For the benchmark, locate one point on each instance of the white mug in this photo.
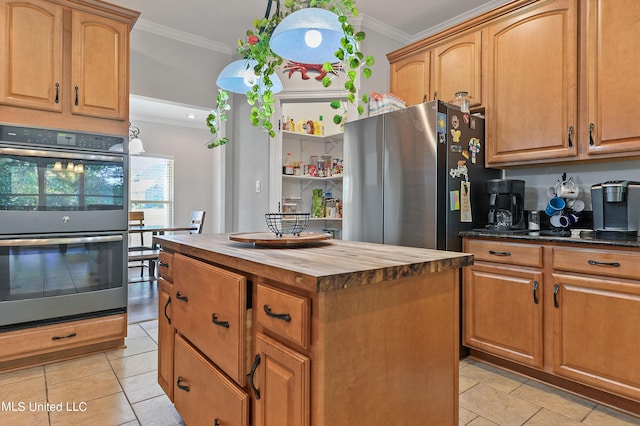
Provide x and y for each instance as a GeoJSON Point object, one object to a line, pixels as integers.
{"type": "Point", "coordinates": [576, 205]}
{"type": "Point", "coordinates": [566, 189]}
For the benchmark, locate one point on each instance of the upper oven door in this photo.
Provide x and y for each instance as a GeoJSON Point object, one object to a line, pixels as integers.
{"type": "Point", "coordinates": [44, 191]}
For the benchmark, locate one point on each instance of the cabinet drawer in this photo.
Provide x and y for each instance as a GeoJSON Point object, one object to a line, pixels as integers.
{"type": "Point", "coordinates": [202, 394]}
{"type": "Point", "coordinates": [283, 313]}
{"type": "Point", "coordinates": [505, 252]}
{"type": "Point", "coordinates": [165, 265]}
{"type": "Point", "coordinates": [53, 338]}
{"type": "Point", "coordinates": [610, 263]}
{"type": "Point", "coordinates": [209, 309]}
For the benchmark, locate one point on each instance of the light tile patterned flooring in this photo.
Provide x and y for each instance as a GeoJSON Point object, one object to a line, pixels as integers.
{"type": "Point", "coordinates": [120, 388]}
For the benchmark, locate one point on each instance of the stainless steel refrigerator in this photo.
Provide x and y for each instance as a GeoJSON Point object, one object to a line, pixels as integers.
{"type": "Point", "coordinates": [415, 177]}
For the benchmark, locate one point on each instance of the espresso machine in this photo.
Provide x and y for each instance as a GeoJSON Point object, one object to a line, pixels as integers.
{"type": "Point", "coordinates": [506, 204]}
{"type": "Point", "coordinates": [616, 207]}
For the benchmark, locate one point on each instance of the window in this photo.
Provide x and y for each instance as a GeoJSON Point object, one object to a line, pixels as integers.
{"type": "Point", "coordinates": [151, 188]}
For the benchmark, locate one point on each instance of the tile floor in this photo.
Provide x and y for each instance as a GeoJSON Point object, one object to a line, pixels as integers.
{"type": "Point", "coordinates": [119, 388]}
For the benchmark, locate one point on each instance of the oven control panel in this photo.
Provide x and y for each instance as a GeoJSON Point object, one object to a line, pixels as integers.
{"type": "Point", "coordinates": [61, 139]}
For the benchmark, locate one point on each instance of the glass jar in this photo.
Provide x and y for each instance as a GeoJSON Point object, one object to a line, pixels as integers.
{"type": "Point", "coordinates": [462, 100]}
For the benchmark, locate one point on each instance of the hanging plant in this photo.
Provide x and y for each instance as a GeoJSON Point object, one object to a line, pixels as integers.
{"type": "Point", "coordinates": [256, 46]}
{"type": "Point", "coordinates": [217, 117]}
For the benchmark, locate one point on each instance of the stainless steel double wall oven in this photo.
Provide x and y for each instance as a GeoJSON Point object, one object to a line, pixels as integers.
{"type": "Point", "coordinates": [63, 225]}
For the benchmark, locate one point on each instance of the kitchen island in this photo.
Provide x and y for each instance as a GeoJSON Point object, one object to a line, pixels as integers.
{"type": "Point", "coordinates": [333, 333]}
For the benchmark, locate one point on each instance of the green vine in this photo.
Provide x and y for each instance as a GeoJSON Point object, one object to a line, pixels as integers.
{"type": "Point", "coordinates": [217, 117]}
{"type": "Point", "coordinates": [256, 47]}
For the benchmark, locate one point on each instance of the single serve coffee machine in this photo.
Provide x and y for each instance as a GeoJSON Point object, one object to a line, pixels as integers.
{"type": "Point", "coordinates": [506, 204]}
{"type": "Point", "coordinates": [616, 207]}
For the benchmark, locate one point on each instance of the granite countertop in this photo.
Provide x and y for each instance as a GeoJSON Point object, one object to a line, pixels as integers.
{"type": "Point", "coordinates": [578, 236]}
{"type": "Point", "coordinates": [323, 266]}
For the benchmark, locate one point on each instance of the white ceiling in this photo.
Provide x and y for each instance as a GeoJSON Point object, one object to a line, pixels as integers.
{"type": "Point", "coordinates": [218, 24]}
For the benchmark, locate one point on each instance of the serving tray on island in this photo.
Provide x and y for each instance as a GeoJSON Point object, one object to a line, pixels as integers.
{"type": "Point", "coordinates": [269, 239]}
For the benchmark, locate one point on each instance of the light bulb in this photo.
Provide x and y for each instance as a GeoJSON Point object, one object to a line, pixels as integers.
{"type": "Point", "coordinates": [57, 165]}
{"type": "Point", "coordinates": [80, 168]}
{"type": "Point", "coordinates": [70, 166]}
{"type": "Point", "coordinates": [313, 38]}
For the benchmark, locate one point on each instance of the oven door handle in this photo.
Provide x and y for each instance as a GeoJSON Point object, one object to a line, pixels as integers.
{"type": "Point", "coordinates": [59, 154]}
{"type": "Point", "coordinates": [54, 241]}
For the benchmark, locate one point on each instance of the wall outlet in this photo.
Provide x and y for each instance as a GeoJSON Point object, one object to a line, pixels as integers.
{"type": "Point", "coordinates": [258, 185]}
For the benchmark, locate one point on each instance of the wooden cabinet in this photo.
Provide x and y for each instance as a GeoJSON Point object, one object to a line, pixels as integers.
{"type": "Point", "coordinates": [596, 307]}
{"type": "Point", "coordinates": [611, 34]}
{"type": "Point", "coordinates": [334, 334]}
{"type": "Point", "coordinates": [457, 66]}
{"type": "Point", "coordinates": [411, 78]}
{"type": "Point", "coordinates": [203, 395]}
{"type": "Point", "coordinates": [31, 52]}
{"type": "Point", "coordinates": [575, 329]}
{"type": "Point", "coordinates": [166, 329]}
{"type": "Point", "coordinates": [533, 85]}
{"type": "Point", "coordinates": [502, 309]}
{"type": "Point", "coordinates": [65, 65]}
{"type": "Point", "coordinates": [210, 311]}
{"type": "Point", "coordinates": [99, 66]}
{"type": "Point", "coordinates": [283, 381]}
{"type": "Point", "coordinates": [38, 345]}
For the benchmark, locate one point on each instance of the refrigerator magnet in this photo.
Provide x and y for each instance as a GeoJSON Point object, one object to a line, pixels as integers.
{"type": "Point", "coordinates": [442, 138]}
{"type": "Point", "coordinates": [474, 148]}
{"type": "Point", "coordinates": [442, 123]}
{"type": "Point", "coordinates": [454, 200]}
{"type": "Point", "coordinates": [455, 134]}
{"type": "Point", "coordinates": [472, 123]}
{"type": "Point", "coordinates": [465, 118]}
{"type": "Point", "coordinates": [465, 202]}
{"type": "Point", "coordinates": [465, 154]}
{"type": "Point", "coordinates": [455, 121]}
{"type": "Point", "coordinates": [455, 148]}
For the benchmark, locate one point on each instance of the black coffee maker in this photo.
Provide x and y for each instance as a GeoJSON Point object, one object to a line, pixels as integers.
{"type": "Point", "coordinates": [506, 204]}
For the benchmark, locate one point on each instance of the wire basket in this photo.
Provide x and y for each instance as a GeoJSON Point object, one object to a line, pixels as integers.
{"type": "Point", "coordinates": [287, 223]}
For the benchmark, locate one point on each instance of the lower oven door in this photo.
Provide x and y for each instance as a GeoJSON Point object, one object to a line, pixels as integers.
{"type": "Point", "coordinates": [46, 279]}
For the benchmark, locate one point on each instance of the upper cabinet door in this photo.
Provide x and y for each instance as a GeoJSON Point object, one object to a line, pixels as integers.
{"type": "Point", "coordinates": [31, 54]}
{"type": "Point", "coordinates": [613, 32]}
{"type": "Point", "coordinates": [410, 78]}
{"type": "Point", "coordinates": [457, 66]}
{"type": "Point", "coordinates": [532, 80]}
{"type": "Point", "coordinates": [100, 66]}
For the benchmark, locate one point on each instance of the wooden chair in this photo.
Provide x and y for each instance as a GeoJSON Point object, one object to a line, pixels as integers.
{"type": "Point", "coordinates": [197, 220]}
{"type": "Point", "coordinates": [142, 253]}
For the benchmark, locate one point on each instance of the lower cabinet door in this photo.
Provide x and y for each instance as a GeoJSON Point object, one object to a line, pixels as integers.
{"type": "Point", "coordinates": [166, 332]}
{"type": "Point", "coordinates": [202, 394]}
{"type": "Point", "coordinates": [280, 381]}
{"type": "Point", "coordinates": [597, 335]}
{"type": "Point", "coordinates": [503, 312]}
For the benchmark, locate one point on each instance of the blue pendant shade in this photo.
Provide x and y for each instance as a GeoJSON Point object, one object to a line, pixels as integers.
{"type": "Point", "coordinates": [239, 77]}
{"type": "Point", "coordinates": [308, 36]}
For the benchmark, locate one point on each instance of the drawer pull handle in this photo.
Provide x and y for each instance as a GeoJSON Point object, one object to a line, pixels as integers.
{"type": "Point", "coordinates": [181, 297]}
{"type": "Point", "coordinates": [535, 292]}
{"type": "Point", "coordinates": [214, 319]}
{"type": "Point", "coordinates": [76, 90]}
{"type": "Point", "coordinates": [216, 422]}
{"type": "Point", "coordinates": [500, 253]}
{"type": "Point", "coordinates": [556, 289]}
{"type": "Point", "coordinates": [254, 367]}
{"type": "Point", "coordinates": [64, 337]}
{"type": "Point", "coordinates": [166, 306]}
{"type": "Point", "coordinates": [162, 264]}
{"type": "Point", "coordinates": [57, 93]}
{"type": "Point", "coordinates": [591, 141]}
{"type": "Point", "coordinates": [569, 134]}
{"type": "Point", "coordinates": [596, 263]}
{"type": "Point", "coordinates": [181, 386]}
{"type": "Point", "coordinates": [283, 317]}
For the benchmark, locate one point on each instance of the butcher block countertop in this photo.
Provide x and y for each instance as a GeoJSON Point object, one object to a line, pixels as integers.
{"type": "Point", "coordinates": [318, 267]}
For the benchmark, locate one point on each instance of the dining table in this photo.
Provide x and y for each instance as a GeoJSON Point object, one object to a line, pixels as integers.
{"type": "Point", "coordinates": [159, 230]}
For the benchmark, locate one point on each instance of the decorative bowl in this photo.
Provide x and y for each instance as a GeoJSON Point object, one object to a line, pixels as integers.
{"type": "Point", "coordinates": [287, 223]}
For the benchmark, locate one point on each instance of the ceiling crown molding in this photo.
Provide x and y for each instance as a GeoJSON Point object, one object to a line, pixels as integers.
{"type": "Point", "coordinates": [380, 27]}
{"type": "Point", "coordinates": [184, 37]}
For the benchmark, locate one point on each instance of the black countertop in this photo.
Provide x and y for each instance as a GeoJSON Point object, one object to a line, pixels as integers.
{"type": "Point", "coordinates": [576, 237]}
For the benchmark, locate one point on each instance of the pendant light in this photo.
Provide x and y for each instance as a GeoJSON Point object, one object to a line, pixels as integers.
{"type": "Point", "coordinates": [135, 144]}
{"type": "Point", "coordinates": [239, 77]}
{"type": "Point", "coordinates": [308, 36]}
